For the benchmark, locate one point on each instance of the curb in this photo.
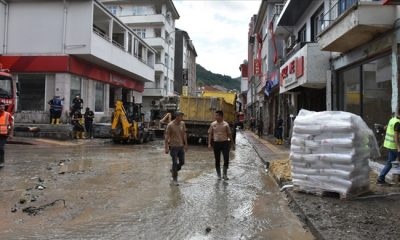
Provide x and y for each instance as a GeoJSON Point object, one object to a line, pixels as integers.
{"type": "Point", "coordinates": [291, 199]}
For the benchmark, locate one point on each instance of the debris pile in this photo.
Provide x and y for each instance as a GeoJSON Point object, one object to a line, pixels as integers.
{"type": "Point", "coordinates": [330, 152]}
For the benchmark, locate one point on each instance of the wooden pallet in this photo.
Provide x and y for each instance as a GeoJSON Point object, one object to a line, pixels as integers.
{"type": "Point", "coordinates": [329, 193]}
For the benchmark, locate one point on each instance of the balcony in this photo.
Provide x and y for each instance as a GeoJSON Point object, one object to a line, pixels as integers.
{"type": "Point", "coordinates": [307, 67]}
{"type": "Point", "coordinates": [154, 19]}
{"type": "Point", "coordinates": [347, 27]}
{"type": "Point", "coordinates": [159, 67]}
{"type": "Point", "coordinates": [154, 92]}
{"type": "Point", "coordinates": [113, 54]}
{"type": "Point", "coordinates": [157, 42]}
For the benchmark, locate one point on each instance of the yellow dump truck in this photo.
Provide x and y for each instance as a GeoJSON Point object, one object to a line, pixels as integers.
{"type": "Point", "coordinates": [200, 111]}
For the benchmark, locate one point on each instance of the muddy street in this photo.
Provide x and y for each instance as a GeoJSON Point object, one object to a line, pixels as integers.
{"type": "Point", "coordinates": [104, 191]}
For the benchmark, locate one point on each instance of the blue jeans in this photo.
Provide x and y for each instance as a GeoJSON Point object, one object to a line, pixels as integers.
{"type": "Point", "coordinates": [178, 157]}
{"type": "Point", "coordinates": [392, 155]}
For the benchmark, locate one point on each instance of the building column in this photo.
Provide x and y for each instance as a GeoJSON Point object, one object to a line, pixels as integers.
{"type": "Point", "coordinates": [395, 71]}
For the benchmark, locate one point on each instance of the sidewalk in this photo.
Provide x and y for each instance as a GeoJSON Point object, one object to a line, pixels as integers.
{"type": "Point", "coordinates": [371, 216]}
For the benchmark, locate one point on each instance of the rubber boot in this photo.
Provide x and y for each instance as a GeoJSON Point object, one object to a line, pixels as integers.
{"type": "Point", "coordinates": [1, 161]}
{"type": "Point", "coordinates": [225, 176]}
{"type": "Point", "coordinates": [76, 135]}
{"type": "Point", "coordinates": [81, 135]}
{"type": "Point", "coordinates": [53, 121]}
{"type": "Point", "coordinates": [277, 142]}
{"type": "Point", "coordinates": [219, 173]}
{"type": "Point", "coordinates": [175, 178]}
{"type": "Point", "coordinates": [57, 121]}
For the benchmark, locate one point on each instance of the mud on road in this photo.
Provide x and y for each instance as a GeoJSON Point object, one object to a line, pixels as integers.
{"type": "Point", "coordinates": [106, 191]}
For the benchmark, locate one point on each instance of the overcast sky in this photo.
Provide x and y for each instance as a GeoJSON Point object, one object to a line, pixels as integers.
{"type": "Point", "coordinates": [218, 29]}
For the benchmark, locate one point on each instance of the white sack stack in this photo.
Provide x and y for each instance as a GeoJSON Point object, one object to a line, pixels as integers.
{"type": "Point", "coordinates": [330, 152]}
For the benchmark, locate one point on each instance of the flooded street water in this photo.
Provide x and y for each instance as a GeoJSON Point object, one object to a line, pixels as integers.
{"type": "Point", "coordinates": [124, 192]}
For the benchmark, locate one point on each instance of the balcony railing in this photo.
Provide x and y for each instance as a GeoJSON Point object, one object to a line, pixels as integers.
{"type": "Point", "coordinates": [338, 9]}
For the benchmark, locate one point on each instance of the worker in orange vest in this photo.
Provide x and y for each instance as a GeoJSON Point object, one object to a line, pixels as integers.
{"type": "Point", "coordinates": [6, 130]}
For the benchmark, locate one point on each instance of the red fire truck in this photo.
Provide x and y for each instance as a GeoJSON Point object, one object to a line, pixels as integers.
{"type": "Point", "coordinates": [8, 90]}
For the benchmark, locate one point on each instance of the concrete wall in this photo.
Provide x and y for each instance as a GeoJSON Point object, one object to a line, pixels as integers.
{"type": "Point", "coordinates": [35, 27]}
{"type": "Point", "coordinates": [2, 25]}
{"type": "Point", "coordinates": [78, 35]}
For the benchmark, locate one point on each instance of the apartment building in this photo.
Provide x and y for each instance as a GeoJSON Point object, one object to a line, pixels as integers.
{"type": "Point", "coordinates": [363, 37]}
{"type": "Point", "coordinates": [253, 71]}
{"type": "Point", "coordinates": [69, 48]}
{"type": "Point", "coordinates": [153, 21]}
{"type": "Point", "coordinates": [304, 67]}
{"type": "Point", "coordinates": [185, 64]}
{"type": "Point", "coordinates": [324, 55]}
{"type": "Point", "coordinates": [244, 86]}
{"type": "Point", "coordinates": [269, 57]}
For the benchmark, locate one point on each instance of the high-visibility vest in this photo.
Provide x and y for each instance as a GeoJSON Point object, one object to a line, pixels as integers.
{"type": "Point", "coordinates": [4, 123]}
{"type": "Point", "coordinates": [389, 138]}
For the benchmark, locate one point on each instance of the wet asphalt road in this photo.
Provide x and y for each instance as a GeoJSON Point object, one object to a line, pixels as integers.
{"type": "Point", "coordinates": [124, 192]}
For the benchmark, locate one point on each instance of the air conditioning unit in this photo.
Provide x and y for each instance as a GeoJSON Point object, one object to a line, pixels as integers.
{"type": "Point", "coordinates": [278, 9]}
{"type": "Point", "coordinates": [291, 41]}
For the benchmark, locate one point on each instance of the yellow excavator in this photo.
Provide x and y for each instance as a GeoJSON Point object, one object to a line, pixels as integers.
{"type": "Point", "coordinates": [128, 126]}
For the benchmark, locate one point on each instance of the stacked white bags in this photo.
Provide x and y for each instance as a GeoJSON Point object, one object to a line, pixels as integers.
{"type": "Point", "coordinates": [330, 152]}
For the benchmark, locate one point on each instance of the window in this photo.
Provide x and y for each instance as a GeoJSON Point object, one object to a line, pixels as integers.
{"type": "Point", "coordinates": [112, 100]}
{"type": "Point", "coordinates": [366, 90]}
{"type": "Point", "coordinates": [141, 32]}
{"type": "Point", "coordinates": [75, 88]}
{"type": "Point", "coordinates": [32, 92]}
{"type": "Point", "coordinates": [343, 5]}
{"type": "Point", "coordinates": [302, 36]}
{"type": "Point", "coordinates": [377, 91]}
{"type": "Point", "coordinates": [99, 97]}
{"type": "Point", "coordinates": [317, 21]}
{"type": "Point", "coordinates": [172, 64]}
{"type": "Point", "coordinates": [113, 9]}
{"type": "Point", "coordinates": [130, 44]}
{"type": "Point", "coordinates": [166, 60]}
{"type": "Point", "coordinates": [351, 87]}
{"type": "Point", "coordinates": [143, 10]}
{"type": "Point", "coordinates": [136, 47]}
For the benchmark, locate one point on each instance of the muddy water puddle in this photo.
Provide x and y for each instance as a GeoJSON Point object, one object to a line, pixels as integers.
{"type": "Point", "coordinates": [124, 192]}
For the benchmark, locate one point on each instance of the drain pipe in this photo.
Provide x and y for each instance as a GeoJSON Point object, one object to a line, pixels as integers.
{"type": "Point", "coordinates": [5, 26]}
{"type": "Point", "coordinates": [64, 38]}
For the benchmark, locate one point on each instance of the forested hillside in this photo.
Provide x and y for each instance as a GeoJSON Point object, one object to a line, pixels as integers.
{"type": "Point", "coordinates": [205, 77]}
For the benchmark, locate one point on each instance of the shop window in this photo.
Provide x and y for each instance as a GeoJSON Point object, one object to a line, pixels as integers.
{"type": "Point", "coordinates": [350, 82]}
{"type": "Point", "coordinates": [32, 92]}
{"type": "Point", "coordinates": [76, 87]}
{"type": "Point", "coordinates": [99, 97]}
{"type": "Point", "coordinates": [368, 94]}
{"type": "Point", "coordinates": [377, 91]}
{"type": "Point", "coordinates": [112, 100]}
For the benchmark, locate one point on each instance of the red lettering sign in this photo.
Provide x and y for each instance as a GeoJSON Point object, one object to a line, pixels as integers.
{"type": "Point", "coordinates": [299, 66]}
{"type": "Point", "coordinates": [292, 67]}
{"type": "Point", "coordinates": [257, 67]}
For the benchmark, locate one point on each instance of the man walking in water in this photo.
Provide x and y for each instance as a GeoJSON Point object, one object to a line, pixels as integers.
{"type": "Point", "coordinates": [176, 144]}
{"type": "Point", "coordinates": [220, 135]}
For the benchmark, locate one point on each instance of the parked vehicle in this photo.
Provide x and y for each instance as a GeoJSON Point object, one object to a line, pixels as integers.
{"type": "Point", "coordinates": [127, 124]}
{"type": "Point", "coordinates": [8, 90]}
{"type": "Point", "coordinates": [199, 112]}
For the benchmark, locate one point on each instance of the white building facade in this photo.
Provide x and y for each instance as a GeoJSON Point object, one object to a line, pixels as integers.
{"type": "Point", "coordinates": [154, 21]}
{"type": "Point", "coordinates": [69, 48]}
